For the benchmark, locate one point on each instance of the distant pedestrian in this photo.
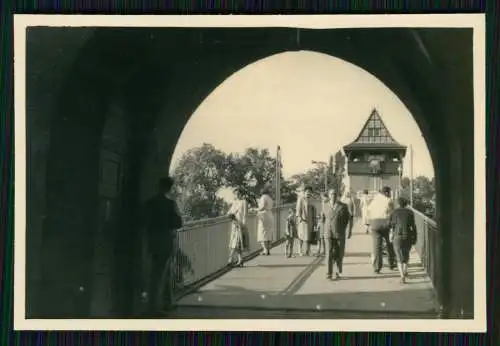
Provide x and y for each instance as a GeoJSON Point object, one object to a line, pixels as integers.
{"type": "Point", "coordinates": [161, 219]}
{"type": "Point", "coordinates": [265, 224]}
{"type": "Point", "coordinates": [290, 233]}
{"type": "Point", "coordinates": [403, 234]}
{"type": "Point", "coordinates": [363, 204]}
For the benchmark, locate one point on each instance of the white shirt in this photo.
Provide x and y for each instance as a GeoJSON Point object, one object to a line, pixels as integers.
{"type": "Point", "coordinates": [380, 207]}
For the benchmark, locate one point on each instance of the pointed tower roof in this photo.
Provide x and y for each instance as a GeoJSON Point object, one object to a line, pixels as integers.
{"type": "Point", "coordinates": [374, 134]}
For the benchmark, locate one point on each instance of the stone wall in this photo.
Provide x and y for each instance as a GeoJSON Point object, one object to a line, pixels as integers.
{"type": "Point", "coordinates": [44, 77]}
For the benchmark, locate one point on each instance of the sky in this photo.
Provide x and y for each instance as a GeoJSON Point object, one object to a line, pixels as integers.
{"type": "Point", "coordinates": [311, 104]}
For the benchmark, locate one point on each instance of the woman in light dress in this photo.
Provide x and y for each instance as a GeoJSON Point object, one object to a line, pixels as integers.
{"type": "Point", "coordinates": [238, 242]}
{"type": "Point", "coordinates": [265, 224]}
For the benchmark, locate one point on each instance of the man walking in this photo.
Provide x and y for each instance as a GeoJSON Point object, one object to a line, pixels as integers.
{"type": "Point", "coordinates": [338, 226]}
{"type": "Point", "coordinates": [379, 211]}
{"type": "Point", "coordinates": [161, 220]}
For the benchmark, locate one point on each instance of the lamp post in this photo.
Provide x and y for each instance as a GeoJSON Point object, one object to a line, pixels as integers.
{"type": "Point", "coordinates": [278, 191]}
{"type": "Point", "coordinates": [325, 167]}
{"type": "Point", "coordinates": [400, 173]}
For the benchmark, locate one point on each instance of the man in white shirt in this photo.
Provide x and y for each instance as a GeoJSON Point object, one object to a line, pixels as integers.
{"type": "Point", "coordinates": [379, 212]}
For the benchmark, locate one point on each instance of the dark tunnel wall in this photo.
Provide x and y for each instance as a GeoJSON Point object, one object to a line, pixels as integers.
{"type": "Point", "coordinates": [156, 78]}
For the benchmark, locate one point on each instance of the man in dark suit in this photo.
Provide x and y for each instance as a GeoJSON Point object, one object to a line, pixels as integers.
{"type": "Point", "coordinates": [338, 226]}
{"type": "Point", "coordinates": [161, 219]}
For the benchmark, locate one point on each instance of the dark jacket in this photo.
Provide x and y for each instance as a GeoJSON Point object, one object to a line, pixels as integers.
{"type": "Point", "coordinates": [161, 219]}
{"type": "Point", "coordinates": [402, 221]}
{"type": "Point", "coordinates": [338, 220]}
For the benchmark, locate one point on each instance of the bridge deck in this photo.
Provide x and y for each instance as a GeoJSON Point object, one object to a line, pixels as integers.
{"type": "Point", "coordinates": [298, 286]}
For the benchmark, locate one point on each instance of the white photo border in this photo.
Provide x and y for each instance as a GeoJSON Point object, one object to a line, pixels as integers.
{"type": "Point", "coordinates": [474, 21]}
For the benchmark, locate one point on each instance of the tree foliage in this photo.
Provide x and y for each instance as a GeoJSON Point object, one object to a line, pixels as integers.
{"type": "Point", "coordinates": [315, 177]}
{"type": "Point", "coordinates": [250, 172]}
{"type": "Point", "coordinates": [424, 194]}
{"type": "Point", "coordinates": [203, 171]}
{"type": "Point", "coordinates": [199, 175]}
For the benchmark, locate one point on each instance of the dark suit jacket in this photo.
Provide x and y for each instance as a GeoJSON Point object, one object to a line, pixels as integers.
{"type": "Point", "coordinates": [338, 220]}
{"type": "Point", "coordinates": [160, 217]}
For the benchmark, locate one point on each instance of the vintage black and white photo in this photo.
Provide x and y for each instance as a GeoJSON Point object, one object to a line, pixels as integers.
{"type": "Point", "coordinates": [290, 168]}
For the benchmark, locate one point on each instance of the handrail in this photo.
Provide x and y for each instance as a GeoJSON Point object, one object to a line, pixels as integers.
{"type": "Point", "coordinates": [428, 247]}
{"type": "Point", "coordinates": [202, 223]}
{"type": "Point", "coordinates": [190, 225]}
{"type": "Point", "coordinates": [427, 219]}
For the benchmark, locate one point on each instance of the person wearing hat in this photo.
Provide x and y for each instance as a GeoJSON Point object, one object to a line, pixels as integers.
{"type": "Point", "coordinates": [380, 210]}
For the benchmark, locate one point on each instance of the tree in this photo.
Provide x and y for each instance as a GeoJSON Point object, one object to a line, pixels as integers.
{"type": "Point", "coordinates": [425, 187]}
{"type": "Point", "coordinates": [250, 172]}
{"type": "Point", "coordinates": [424, 191]}
{"type": "Point", "coordinates": [337, 178]}
{"type": "Point", "coordinates": [288, 194]}
{"type": "Point", "coordinates": [314, 177]}
{"type": "Point", "coordinates": [199, 176]}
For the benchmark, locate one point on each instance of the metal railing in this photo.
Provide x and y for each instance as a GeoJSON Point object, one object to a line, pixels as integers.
{"type": "Point", "coordinates": [428, 248]}
{"type": "Point", "coordinates": [203, 246]}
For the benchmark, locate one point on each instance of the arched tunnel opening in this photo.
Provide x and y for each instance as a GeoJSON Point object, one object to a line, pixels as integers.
{"type": "Point", "coordinates": [101, 135]}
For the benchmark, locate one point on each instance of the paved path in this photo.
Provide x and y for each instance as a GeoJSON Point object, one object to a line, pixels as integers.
{"type": "Point", "coordinates": [298, 284]}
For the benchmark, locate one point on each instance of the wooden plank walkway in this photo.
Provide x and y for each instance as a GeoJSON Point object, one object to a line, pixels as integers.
{"type": "Point", "coordinates": [278, 287]}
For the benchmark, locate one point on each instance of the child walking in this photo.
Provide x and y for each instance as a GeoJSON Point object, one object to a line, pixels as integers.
{"type": "Point", "coordinates": [290, 233]}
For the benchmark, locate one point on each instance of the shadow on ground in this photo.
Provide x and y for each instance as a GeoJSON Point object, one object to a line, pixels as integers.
{"type": "Point", "coordinates": [234, 302]}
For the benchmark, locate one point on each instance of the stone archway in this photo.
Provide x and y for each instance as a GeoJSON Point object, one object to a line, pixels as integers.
{"type": "Point", "coordinates": [163, 85]}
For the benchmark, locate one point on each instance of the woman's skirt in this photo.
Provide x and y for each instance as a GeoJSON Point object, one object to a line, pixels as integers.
{"type": "Point", "coordinates": [239, 239]}
{"type": "Point", "coordinates": [402, 249]}
{"type": "Point", "coordinates": [303, 231]}
{"type": "Point", "coordinates": [265, 226]}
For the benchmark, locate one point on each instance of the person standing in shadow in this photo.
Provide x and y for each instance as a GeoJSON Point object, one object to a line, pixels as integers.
{"type": "Point", "coordinates": [338, 227]}
{"type": "Point", "coordinates": [161, 219]}
{"type": "Point", "coordinates": [379, 210]}
{"type": "Point", "coordinates": [403, 235]}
